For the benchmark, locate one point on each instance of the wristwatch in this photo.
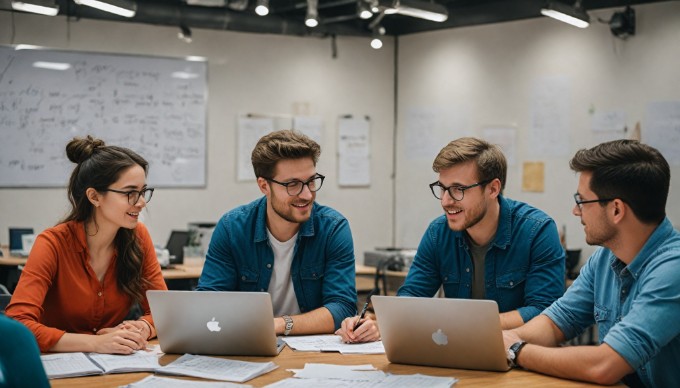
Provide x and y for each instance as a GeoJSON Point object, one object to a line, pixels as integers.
{"type": "Point", "coordinates": [513, 352]}
{"type": "Point", "coordinates": [289, 324]}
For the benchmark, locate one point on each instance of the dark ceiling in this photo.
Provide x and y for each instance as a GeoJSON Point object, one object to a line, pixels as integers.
{"type": "Point", "coordinates": [337, 17]}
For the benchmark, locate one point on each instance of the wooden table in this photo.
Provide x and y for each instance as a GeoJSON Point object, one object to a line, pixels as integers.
{"type": "Point", "coordinates": [289, 359]}
{"type": "Point", "coordinates": [183, 272]}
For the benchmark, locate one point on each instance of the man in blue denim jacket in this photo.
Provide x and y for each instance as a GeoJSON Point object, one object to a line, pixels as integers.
{"type": "Point", "coordinates": [630, 286]}
{"type": "Point", "coordinates": [285, 243]}
{"type": "Point", "coordinates": [485, 246]}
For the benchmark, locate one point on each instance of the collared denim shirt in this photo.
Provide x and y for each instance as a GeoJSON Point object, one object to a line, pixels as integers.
{"type": "Point", "coordinates": [636, 307]}
{"type": "Point", "coordinates": [523, 270]}
{"type": "Point", "coordinates": [240, 258]}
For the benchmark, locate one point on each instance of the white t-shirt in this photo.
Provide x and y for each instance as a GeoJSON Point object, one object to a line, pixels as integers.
{"type": "Point", "coordinates": [281, 288]}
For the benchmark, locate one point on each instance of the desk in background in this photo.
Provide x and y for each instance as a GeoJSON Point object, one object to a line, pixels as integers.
{"type": "Point", "coordinates": [365, 279]}
{"type": "Point", "coordinates": [289, 359]}
{"type": "Point", "coordinates": [179, 277]}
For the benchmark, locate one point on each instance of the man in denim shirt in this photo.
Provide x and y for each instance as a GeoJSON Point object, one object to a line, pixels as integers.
{"type": "Point", "coordinates": [285, 243]}
{"type": "Point", "coordinates": [485, 246]}
{"type": "Point", "coordinates": [630, 287]}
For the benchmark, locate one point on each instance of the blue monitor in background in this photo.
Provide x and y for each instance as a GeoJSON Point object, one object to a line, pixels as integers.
{"type": "Point", "coordinates": [16, 246]}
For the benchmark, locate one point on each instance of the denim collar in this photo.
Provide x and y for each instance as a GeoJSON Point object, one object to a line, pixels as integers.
{"type": "Point", "coordinates": [306, 229]}
{"type": "Point", "coordinates": [646, 254]}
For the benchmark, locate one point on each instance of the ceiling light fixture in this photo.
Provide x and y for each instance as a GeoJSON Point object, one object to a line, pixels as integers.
{"type": "Point", "coordinates": [184, 33]}
{"type": "Point", "coordinates": [42, 7]}
{"type": "Point", "coordinates": [312, 18]}
{"type": "Point", "coordinates": [363, 11]}
{"type": "Point", "coordinates": [376, 41]}
{"type": "Point", "coordinates": [125, 8]}
{"type": "Point", "coordinates": [419, 9]}
{"type": "Point", "coordinates": [574, 15]}
{"type": "Point", "coordinates": [622, 24]}
{"type": "Point", "coordinates": [262, 7]}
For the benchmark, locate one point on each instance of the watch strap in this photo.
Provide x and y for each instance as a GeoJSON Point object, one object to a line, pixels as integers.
{"type": "Point", "coordinates": [289, 324]}
{"type": "Point", "coordinates": [513, 352]}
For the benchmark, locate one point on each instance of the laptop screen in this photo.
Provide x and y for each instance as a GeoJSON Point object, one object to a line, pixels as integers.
{"type": "Point", "coordinates": [15, 234]}
{"type": "Point", "coordinates": [176, 243]}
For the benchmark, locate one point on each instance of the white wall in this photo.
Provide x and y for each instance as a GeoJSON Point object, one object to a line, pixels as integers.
{"type": "Point", "coordinates": [248, 73]}
{"type": "Point", "coordinates": [482, 76]}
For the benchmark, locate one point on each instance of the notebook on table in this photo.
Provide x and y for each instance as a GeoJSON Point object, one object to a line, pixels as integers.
{"type": "Point", "coordinates": [214, 322]}
{"type": "Point", "coordinates": [444, 332]}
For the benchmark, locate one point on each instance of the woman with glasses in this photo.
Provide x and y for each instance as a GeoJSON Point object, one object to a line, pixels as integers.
{"type": "Point", "coordinates": [84, 275]}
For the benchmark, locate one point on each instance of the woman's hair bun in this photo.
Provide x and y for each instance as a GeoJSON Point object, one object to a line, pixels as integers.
{"type": "Point", "coordinates": [79, 149]}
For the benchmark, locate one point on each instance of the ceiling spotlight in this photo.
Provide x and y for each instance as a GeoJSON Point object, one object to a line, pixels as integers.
{"type": "Point", "coordinates": [125, 8]}
{"type": "Point", "coordinates": [43, 7]}
{"type": "Point", "coordinates": [363, 11]}
{"type": "Point", "coordinates": [419, 9]}
{"type": "Point", "coordinates": [262, 7]}
{"type": "Point", "coordinates": [184, 33]}
{"type": "Point", "coordinates": [574, 15]}
{"type": "Point", "coordinates": [312, 18]}
{"type": "Point", "coordinates": [622, 24]}
{"type": "Point", "coordinates": [378, 33]}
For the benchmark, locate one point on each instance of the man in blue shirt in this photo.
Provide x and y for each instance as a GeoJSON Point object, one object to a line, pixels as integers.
{"type": "Point", "coordinates": [285, 243]}
{"type": "Point", "coordinates": [630, 286]}
{"type": "Point", "coordinates": [20, 364]}
{"type": "Point", "coordinates": [485, 246]}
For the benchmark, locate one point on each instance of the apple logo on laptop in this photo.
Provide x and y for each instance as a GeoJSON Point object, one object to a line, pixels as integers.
{"type": "Point", "coordinates": [214, 325]}
{"type": "Point", "coordinates": [440, 338]}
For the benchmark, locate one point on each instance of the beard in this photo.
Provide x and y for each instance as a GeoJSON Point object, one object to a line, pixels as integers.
{"type": "Point", "coordinates": [472, 217]}
{"type": "Point", "coordinates": [286, 211]}
{"type": "Point", "coordinates": [601, 235]}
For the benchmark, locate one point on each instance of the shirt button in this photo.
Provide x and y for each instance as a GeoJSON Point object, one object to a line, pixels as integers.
{"type": "Point", "coordinates": [262, 289]}
{"type": "Point", "coordinates": [269, 265]}
{"type": "Point", "coordinates": [512, 283]}
{"type": "Point", "coordinates": [446, 278]}
{"type": "Point", "coordinates": [467, 269]}
{"type": "Point", "coordinates": [99, 293]}
{"type": "Point", "coordinates": [243, 278]}
{"type": "Point", "coordinates": [94, 330]}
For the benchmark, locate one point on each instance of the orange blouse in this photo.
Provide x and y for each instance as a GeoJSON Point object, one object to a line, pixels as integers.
{"type": "Point", "coordinates": [58, 291]}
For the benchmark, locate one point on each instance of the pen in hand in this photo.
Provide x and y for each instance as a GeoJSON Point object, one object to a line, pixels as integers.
{"type": "Point", "coordinates": [363, 310]}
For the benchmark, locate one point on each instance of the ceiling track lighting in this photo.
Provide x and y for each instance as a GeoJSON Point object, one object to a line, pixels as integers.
{"type": "Point", "coordinates": [364, 10]}
{"type": "Point", "coordinates": [312, 17]}
{"type": "Point", "coordinates": [376, 40]}
{"type": "Point", "coordinates": [125, 8]}
{"type": "Point", "coordinates": [574, 15]}
{"type": "Point", "coordinates": [184, 33]}
{"type": "Point", "coordinates": [262, 7]}
{"type": "Point", "coordinates": [428, 10]}
{"type": "Point", "coordinates": [42, 7]}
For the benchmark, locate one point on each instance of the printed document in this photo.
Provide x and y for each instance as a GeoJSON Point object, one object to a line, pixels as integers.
{"type": "Point", "coordinates": [216, 368]}
{"type": "Point", "coordinates": [167, 382]}
{"type": "Point", "coordinates": [332, 343]}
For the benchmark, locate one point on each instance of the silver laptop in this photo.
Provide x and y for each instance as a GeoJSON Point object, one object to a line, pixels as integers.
{"type": "Point", "coordinates": [216, 323]}
{"type": "Point", "coordinates": [451, 333]}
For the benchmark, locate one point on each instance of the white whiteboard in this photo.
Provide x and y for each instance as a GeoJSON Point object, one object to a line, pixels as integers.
{"type": "Point", "coordinates": [154, 106]}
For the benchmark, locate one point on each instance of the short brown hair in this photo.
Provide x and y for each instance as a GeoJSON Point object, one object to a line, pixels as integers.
{"type": "Point", "coordinates": [282, 145]}
{"type": "Point", "coordinates": [631, 171]}
{"type": "Point", "coordinates": [491, 163]}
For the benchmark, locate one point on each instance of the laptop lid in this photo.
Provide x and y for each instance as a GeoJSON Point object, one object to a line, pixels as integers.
{"type": "Point", "coordinates": [444, 332]}
{"type": "Point", "coordinates": [176, 242]}
{"type": "Point", "coordinates": [16, 245]}
{"type": "Point", "coordinates": [214, 322]}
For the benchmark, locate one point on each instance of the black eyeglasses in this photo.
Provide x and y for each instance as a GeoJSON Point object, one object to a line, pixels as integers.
{"type": "Point", "coordinates": [456, 192]}
{"type": "Point", "coordinates": [295, 186]}
{"type": "Point", "coordinates": [134, 195]}
{"type": "Point", "coordinates": [580, 202]}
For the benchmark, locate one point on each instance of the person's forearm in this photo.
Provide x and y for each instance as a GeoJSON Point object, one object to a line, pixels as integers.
{"type": "Point", "coordinates": [319, 321]}
{"type": "Point", "coordinates": [511, 320]}
{"type": "Point", "coordinates": [71, 342]}
{"type": "Point", "coordinates": [598, 364]}
{"type": "Point", "coordinates": [540, 331]}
